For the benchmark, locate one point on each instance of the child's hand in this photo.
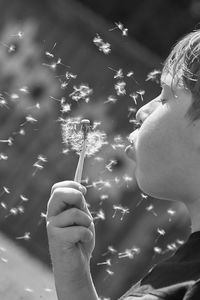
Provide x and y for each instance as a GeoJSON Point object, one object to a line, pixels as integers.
{"type": "Point", "coordinates": [70, 231]}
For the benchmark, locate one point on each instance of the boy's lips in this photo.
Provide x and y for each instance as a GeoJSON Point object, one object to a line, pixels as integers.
{"type": "Point", "coordinates": [130, 151]}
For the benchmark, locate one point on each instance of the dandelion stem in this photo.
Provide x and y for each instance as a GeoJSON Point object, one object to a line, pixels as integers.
{"type": "Point", "coordinates": [85, 128]}
{"type": "Point", "coordinates": [79, 168]}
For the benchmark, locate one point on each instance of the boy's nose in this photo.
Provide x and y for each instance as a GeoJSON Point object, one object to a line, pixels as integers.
{"type": "Point", "coordinates": [142, 114]}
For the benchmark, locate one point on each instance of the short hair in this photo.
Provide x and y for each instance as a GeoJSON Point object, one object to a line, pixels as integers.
{"type": "Point", "coordinates": [183, 63]}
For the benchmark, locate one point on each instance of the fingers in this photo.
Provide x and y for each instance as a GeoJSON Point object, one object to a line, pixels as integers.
{"type": "Point", "coordinates": [63, 198]}
{"type": "Point", "coordinates": [75, 234]}
{"type": "Point", "coordinates": [71, 184]}
{"type": "Point", "coordinates": [70, 217]}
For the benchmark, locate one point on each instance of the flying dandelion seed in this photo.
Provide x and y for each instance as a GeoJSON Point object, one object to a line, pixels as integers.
{"type": "Point", "coordinates": [81, 92]}
{"type": "Point", "coordinates": [134, 96]}
{"type": "Point", "coordinates": [141, 93]}
{"type": "Point", "coordinates": [102, 46]}
{"type": "Point", "coordinates": [120, 88]}
{"type": "Point", "coordinates": [26, 236]}
{"type": "Point", "coordinates": [129, 253]}
{"type": "Point", "coordinates": [9, 141]}
{"type": "Point", "coordinates": [111, 99]}
{"type": "Point", "coordinates": [154, 76]}
{"type": "Point", "coordinates": [121, 27]}
{"type": "Point", "coordinates": [3, 205]}
{"type": "Point", "coordinates": [118, 73]}
{"type": "Point", "coordinates": [100, 215]}
{"type": "Point", "coordinates": [111, 250]}
{"type": "Point", "coordinates": [109, 272]}
{"type": "Point", "coordinates": [107, 262]}
{"type": "Point", "coordinates": [3, 102]}
{"type": "Point", "coordinates": [3, 156]}
{"type": "Point", "coordinates": [171, 213]}
{"type": "Point", "coordinates": [24, 198]}
{"type": "Point", "coordinates": [121, 209]}
{"type": "Point", "coordinates": [150, 208]}
{"type": "Point", "coordinates": [157, 250]}
{"type": "Point", "coordinates": [29, 119]}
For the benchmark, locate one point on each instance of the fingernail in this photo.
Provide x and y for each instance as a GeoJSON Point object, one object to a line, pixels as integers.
{"type": "Point", "coordinates": [83, 189]}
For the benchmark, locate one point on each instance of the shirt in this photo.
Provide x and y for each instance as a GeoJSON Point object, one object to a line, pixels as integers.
{"type": "Point", "coordinates": [176, 278]}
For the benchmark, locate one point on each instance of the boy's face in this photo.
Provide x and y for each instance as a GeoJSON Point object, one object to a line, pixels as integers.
{"type": "Point", "coordinates": [165, 146]}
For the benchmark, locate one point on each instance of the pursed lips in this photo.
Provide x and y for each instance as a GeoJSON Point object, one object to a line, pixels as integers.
{"type": "Point", "coordinates": [130, 150]}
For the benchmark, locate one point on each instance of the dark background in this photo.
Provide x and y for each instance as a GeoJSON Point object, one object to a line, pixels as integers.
{"type": "Point", "coordinates": [153, 28]}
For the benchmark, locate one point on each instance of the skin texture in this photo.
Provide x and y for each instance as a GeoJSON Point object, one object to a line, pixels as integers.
{"type": "Point", "coordinates": [166, 149]}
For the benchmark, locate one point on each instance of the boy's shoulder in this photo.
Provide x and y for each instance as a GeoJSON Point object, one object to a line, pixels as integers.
{"type": "Point", "coordinates": [187, 290]}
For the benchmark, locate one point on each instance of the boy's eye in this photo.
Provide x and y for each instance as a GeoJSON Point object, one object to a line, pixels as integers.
{"type": "Point", "coordinates": [162, 100]}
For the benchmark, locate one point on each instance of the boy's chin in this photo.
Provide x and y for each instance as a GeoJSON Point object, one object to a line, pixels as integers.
{"type": "Point", "coordinates": [152, 189]}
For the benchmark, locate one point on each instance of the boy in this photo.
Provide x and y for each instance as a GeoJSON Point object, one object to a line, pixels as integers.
{"type": "Point", "coordinates": [166, 150]}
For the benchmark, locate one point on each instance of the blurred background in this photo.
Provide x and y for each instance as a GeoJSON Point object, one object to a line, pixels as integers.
{"type": "Point", "coordinates": [97, 60]}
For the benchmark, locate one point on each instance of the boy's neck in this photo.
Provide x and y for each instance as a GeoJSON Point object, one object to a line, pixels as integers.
{"type": "Point", "coordinates": [194, 212]}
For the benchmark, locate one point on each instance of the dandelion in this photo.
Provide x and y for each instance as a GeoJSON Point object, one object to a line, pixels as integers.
{"type": "Point", "coordinates": [82, 139]}
{"type": "Point", "coordinates": [120, 88]}
{"type": "Point", "coordinates": [81, 92]}
{"type": "Point", "coordinates": [76, 132]}
{"type": "Point", "coordinates": [102, 46]}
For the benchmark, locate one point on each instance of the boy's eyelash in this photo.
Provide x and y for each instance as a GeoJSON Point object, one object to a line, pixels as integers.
{"type": "Point", "coordinates": [162, 100]}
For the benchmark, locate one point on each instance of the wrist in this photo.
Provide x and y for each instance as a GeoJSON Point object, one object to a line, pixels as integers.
{"type": "Point", "coordinates": [75, 288]}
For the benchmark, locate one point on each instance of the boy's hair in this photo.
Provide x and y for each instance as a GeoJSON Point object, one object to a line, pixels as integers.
{"type": "Point", "coordinates": [183, 63]}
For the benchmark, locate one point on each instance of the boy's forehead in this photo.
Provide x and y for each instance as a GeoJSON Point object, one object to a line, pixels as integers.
{"type": "Point", "coordinates": [171, 82]}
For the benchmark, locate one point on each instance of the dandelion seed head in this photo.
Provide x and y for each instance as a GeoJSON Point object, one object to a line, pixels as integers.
{"type": "Point", "coordinates": [73, 136]}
